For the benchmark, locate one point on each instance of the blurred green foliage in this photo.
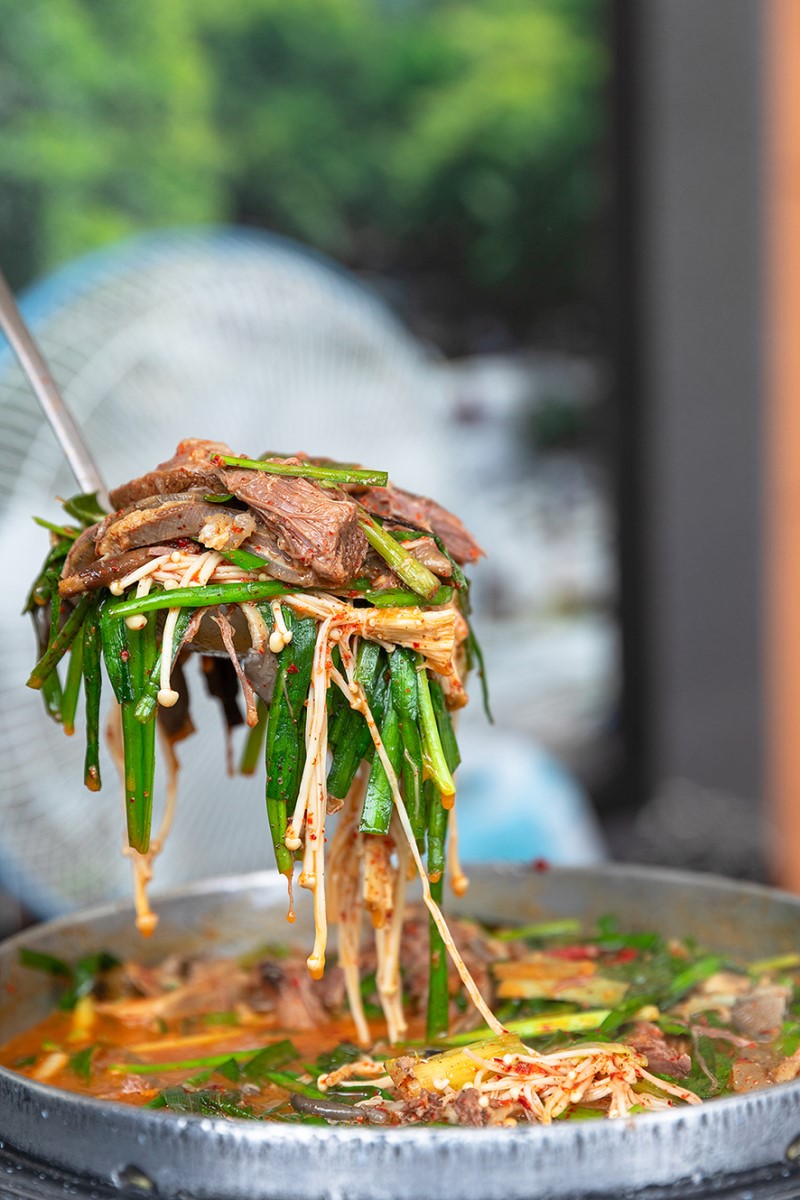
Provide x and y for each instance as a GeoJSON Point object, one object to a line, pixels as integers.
{"type": "Point", "coordinates": [457, 141]}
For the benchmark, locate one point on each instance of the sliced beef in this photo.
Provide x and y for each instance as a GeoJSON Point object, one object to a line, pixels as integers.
{"type": "Point", "coordinates": [425, 550]}
{"type": "Point", "coordinates": [662, 1058]}
{"type": "Point", "coordinates": [314, 526]}
{"type": "Point", "coordinates": [422, 513]}
{"type": "Point", "coordinates": [82, 552]}
{"type": "Point", "coordinates": [205, 985]}
{"type": "Point", "coordinates": [189, 467]}
{"type": "Point", "coordinates": [263, 542]}
{"type": "Point", "coordinates": [287, 989]}
{"type": "Point", "coordinates": [103, 571]}
{"type": "Point", "coordinates": [214, 525]}
{"type": "Point", "coordinates": [261, 669]}
{"type": "Point", "coordinates": [466, 1109]}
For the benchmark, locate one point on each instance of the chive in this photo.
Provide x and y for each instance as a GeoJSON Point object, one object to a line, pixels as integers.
{"type": "Point", "coordinates": [81, 1063]}
{"type": "Point", "coordinates": [452, 754]}
{"type": "Point", "coordinates": [376, 814]}
{"type": "Point", "coordinates": [331, 474]}
{"type": "Point", "coordinates": [567, 927]}
{"type": "Point", "coordinates": [274, 1055]}
{"type": "Point", "coordinates": [59, 645]}
{"type": "Point", "coordinates": [355, 739]}
{"type": "Point", "coordinates": [85, 507]}
{"type": "Point", "coordinates": [61, 531]}
{"type": "Point", "coordinates": [395, 597]}
{"type": "Point", "coordinates": [53, 697]}
{"type": "Point", "coordinates": [437, 831]}
{"type": "Point", "coordinates": [251, 751]}
{"type": "Point", "coordinates": [696, 973]}
{"type": "Point", "coordinates": [92, 688]}
{"type": "Point", "coordinates": [139, 741]}
{"type": "Point", "coordinates": [201, 597]}
{"type": "Point", "coordinates": [116, 655]}
{"type": "Point", "coordinates": [412, 572]}
{"type": "Point", "coordinates": [434, 754]}
{"type": "Point", "coordinates": [72, 687]}
{"type": "Point", "coordinates": [437, 1013]}
{"type": "Point", "coordinates": [285, 741]}
{"type": "Point", "coordinates": [541, 1026]}
{"type": "Point", "coordinates": [406, 702]}
{"type": "Point", "coordinates": [245, 559]}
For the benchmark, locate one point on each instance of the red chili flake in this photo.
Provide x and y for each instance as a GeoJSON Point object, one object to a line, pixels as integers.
{"type": "Point", "coordinates": [292, 669]}
{"type": "Point", "coordinates": [11, 988]}
{"type": "Point", "coordinates": [540, 864]}
{"type": "Point", "coordinates": [627, 954]}
{"type": "Point", "coordinates": [131, 799]}
{"type": "Point", "coordinates": [415, 645]}
{"type": "Point", "coordinates": [124, 655]}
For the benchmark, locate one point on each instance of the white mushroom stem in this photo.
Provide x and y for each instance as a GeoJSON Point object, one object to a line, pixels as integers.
{"type": "Point", "coordinates": [167, 696]}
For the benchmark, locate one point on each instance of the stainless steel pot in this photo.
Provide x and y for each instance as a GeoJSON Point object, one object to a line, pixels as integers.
{"type": "Point", "coordinates": [753, 1137]}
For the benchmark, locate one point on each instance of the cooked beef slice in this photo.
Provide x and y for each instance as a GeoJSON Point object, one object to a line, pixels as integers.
{"type": "Point", "coordinates": [189, 467]}
{"type": "Point", "coordinates": [82, 552]}
{"type": "Point", "coordinates": [216, 526]}
{"type": "Point", "coordinates": [103, 571]}
{"type": "Point", "coordinates": [314, 526]}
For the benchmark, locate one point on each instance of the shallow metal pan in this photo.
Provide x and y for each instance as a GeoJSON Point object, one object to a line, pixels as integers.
{"type": "Point", "coordinates": [753, 1136]}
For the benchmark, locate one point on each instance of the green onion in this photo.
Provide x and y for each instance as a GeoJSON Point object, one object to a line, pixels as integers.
{"type": "Point", "coordinates": [332, 474]}
{"type": "Point", "coordinates": [412, 572]}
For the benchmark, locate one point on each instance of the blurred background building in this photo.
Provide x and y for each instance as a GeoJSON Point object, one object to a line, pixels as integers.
{"type": "Point", "coordinates": [564, 202]}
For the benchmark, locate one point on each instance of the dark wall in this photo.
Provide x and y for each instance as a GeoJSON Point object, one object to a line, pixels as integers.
{"type": "Point", "coordinates": [689, 107]}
